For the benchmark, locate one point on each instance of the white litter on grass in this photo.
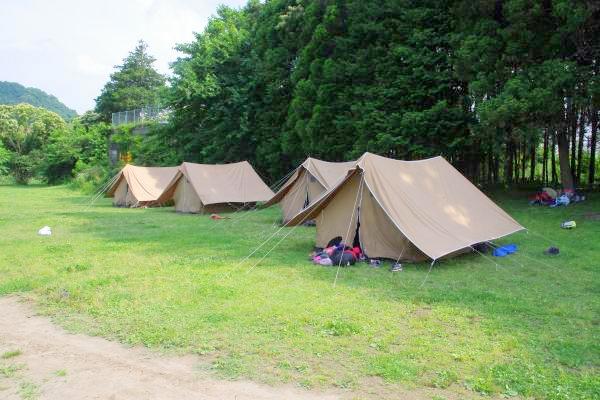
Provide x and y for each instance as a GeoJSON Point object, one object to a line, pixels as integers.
{"type": "Point", "coordinates": [45, 231]}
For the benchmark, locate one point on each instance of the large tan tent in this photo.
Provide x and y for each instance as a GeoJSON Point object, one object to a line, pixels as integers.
{"type": "Point", "coordinates": [205, 188]}
{"type": "Point", "coordinates": [407, 210]}
{"type": "Point", "coordinates": [309, 181]}
{"type": "Point", "coordinates": [139, 186]}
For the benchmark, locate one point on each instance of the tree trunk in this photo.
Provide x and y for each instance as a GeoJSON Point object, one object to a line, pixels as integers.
{"type": "Point", "coordinates": [532, 162]}
{"type": "Point", "coordinates": [496, 169]}
{"type": "Point", "coordinates": [580, 148]}
{"type": "Point", "coordinates": [509, 161]}
{"type": "Point", "coordinates": [573, 135]}
{"type": "Point", "coordinates": [516, 168]}
{"type": "Point", "coordinates": [523, 161]}
{"type": "Point", "coordinates": [553, 159]}
{"type": "Point", "coordinates": [490, 169]}
{"type": "Point", "coordinates": [593, 139]}
{"type": "Point", "coordinates": [566, 174]}
{"type": "Point", "coordinates": [545, 159]}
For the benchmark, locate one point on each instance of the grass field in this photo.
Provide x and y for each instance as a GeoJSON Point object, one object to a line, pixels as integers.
{"type": "Point", "coordinates": [528, 326]}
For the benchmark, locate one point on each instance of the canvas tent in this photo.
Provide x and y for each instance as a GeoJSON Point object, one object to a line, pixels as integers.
{"type": "Point", "coordinates": [407, 210]}
{"type": "Point", "coordinates": [139, 186]}
{"type": "Point", "coordinates": [311, 179]}
{"type": "Point", "coordinates": [206, 188]}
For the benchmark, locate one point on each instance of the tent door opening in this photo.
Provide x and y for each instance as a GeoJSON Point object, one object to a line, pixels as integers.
{"type": "Point", "coordinates": [356, 240]}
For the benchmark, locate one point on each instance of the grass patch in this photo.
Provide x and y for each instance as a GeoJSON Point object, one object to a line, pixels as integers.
{"type": "Point", "coordinates": [443, 379]}
{"type": "Point", "coordinates": [523, 325]}
{"type": "Point", "coordinates": [29, 391]}
{"type": "Point", "coordinates": [10, 354]}
{"type": "Point", "coordinates": [393, 368]}
{"type": "Point", "coordinates": [60, 373]}
{"type": "Point", "coordinates": [10, 370]}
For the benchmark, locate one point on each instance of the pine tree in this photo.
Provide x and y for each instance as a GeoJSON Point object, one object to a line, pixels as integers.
{"type": "Point", "coordinates": [134, 84]}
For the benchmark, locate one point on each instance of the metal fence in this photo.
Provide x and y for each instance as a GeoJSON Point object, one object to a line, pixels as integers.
{"type": "Point", "coordinates": [141, 115]}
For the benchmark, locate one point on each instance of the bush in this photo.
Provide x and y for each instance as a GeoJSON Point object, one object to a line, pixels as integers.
{"type": "Point", "coordinates": [4, 160]}
{"type": "Point", "coordinates": [155, 148]}
{"type": "Point", "coordinates": [22, 167]}
{"type": "Point", "coordinates": [74, 150]}
{"type": "Point", "coordinates": [90, 179]}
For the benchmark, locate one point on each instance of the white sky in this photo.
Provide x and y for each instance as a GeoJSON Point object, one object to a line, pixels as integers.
{"type": "Point", "coordinates": [68, 48]}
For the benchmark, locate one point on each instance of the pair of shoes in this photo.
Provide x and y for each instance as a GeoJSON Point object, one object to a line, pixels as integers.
{"type": "Point", "coordinates": [396, 267]}
{"type": "Point", "coordinates": [374, 263]}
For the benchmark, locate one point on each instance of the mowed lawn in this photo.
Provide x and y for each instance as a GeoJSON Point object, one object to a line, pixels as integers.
{"type": "Point", "coordinates": [525, 325]}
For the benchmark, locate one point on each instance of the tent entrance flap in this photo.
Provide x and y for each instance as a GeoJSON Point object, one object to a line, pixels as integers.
{"type": "Point", "coordinates": [380, 237]}
{"type": "Point", "coordinates": [356, 216]}
{"type": "Point", "coordinates": [297, 197]}
{"type": "Point", "coordinates": [340, 216]}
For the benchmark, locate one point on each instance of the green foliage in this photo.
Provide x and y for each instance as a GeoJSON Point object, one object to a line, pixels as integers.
{"type": "Point", "coordinates": [29, 391]}
{"type": "Point", "coordinates": [393, 368]}
{"type": "Point", "coordinates": [156, 148]}
{"type": "Point", "coordinates": [8, 371]}
{"type": "Point", "coordinates": [10, 354]}
{"type": "Point", "coordinates": [134, 84]}
{"type": "Point", "coordinates": [4, 159]}
{"type": "Point", "coordinates": [23, 167]}
{"type": "Point", "coordinates": [79, 146]}
{"type": "Point", "coordinates": [476, 81]}
{"type": "Point", "coordinates": [125, 138]}
{"type": "Point", "coordinates": [24, 128]}
{"type": "Point", "coordinates": [38, 143]}
{"type": "Point", "coordinates": [25, 131]}
{"type": "Point", "coordinates": [89, 178]}
{"type": "Point", "coordinates": [12, 93]}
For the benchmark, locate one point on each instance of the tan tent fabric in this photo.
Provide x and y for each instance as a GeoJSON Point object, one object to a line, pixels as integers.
{"type": "Point", "coordinates": [309, 181]}
{"type": "Point", "coordinates": [139, 186]}
{"type": "Point", "coordinates": [198, 188]}
{"type": "Point", "coordinates": [407, 209]}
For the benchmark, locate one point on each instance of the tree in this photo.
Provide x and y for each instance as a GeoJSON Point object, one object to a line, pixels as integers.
{"type": "Point", "coordinates": [134, 84]}
{"type": "Point", "coordinates": [4, 159]}
{"type": "Point", "coordinates": [210, 92]}
{"type": "Point", "coordinates": [491, 85]}
{"type": "Point", "coordinates": [75, 148]}
{"type": "Point", "coordinates": [24, 131]}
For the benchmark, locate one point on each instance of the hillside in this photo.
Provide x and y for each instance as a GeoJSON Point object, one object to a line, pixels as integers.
{"type": "Point", "coordinates": [14, 93]}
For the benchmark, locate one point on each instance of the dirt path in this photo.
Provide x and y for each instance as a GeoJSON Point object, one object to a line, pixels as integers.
{"type": "Point", "coordinates": [54, 364]}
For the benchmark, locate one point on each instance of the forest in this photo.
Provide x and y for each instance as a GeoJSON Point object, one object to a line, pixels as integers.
{"type": "Point", "coordinates": [506, 90]}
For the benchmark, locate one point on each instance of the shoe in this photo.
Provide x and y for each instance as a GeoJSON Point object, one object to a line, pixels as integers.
{"type": "Point", "coordinates": [396, 267]}
{"type": "Point", "coordinates": [551, 251]}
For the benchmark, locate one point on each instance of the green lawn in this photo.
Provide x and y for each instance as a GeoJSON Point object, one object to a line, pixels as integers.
{"type": "Point", "coordinates": [528, 326]}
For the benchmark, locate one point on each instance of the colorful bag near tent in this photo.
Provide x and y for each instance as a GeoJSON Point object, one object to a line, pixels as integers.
{"type": "Point", "coordinates": [343, 258]}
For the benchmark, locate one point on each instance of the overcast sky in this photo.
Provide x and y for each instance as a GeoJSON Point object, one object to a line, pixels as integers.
{"type": "Point", "coordinates": [68, 48]}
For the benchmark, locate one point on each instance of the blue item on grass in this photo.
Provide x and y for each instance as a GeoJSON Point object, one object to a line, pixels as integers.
{"type": "Point", "coordinates": [505, 250]}
{"type": "Point", "coordinates": [499, 252]}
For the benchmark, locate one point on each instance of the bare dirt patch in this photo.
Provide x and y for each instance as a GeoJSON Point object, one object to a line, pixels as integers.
{"type": "Point", "coordinates": [54, 364]}
{"type": "Point", "coordinates": [40, 360]}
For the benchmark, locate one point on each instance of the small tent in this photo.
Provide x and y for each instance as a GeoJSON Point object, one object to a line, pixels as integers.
{"type": "Point", "coordinates": [206, 188]}
{"type": "Point", "coordinates": [139, 186]}
{"type": "Point", "coordinates": [309, 181]}
{"type": "Point", "coordinates": [407, 210]}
